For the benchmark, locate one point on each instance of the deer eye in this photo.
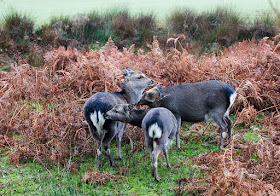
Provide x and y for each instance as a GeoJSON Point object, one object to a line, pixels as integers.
{"type": "Point", "coordinates": [140, 77]}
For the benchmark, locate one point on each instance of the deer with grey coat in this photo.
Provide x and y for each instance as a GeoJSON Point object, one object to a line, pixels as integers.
{"type": "Point", "coordinates": [102, 130]}
{"type": "Point", "coordinates": [195, 102]}
{"type": "Point", "coordinates": [125, 113]}
{"type": "Point", "coordinates": [160, 127]}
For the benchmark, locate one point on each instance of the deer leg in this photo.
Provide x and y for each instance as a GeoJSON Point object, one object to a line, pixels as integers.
{"type": "Point", "coordinates": [223, 125]}
{"type": "Point", "coordinates": [178, 117]}
{"type": "Point", "coordinates": [165, 151]}
{"type": "Point", "coordinates": [108, 153]}
{"type": "Point", "coordinates": [121, 127]}
{"type": "Point", "coordinates": [98, 154]}
{"type": "Point", "coordinates": [155, 154]}
{"type": "Point", "coordinates": [229, 126]}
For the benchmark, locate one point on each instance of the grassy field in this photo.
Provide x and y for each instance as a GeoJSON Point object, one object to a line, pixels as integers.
{"type": "Point", "coordinates": [31, 178]}
{"type": "Point", "coordinates": [43, 10]}
{"type": "Point", "coordinates": [134, 172]}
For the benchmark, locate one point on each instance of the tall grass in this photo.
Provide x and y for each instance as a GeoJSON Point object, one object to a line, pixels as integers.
{"type": "Point", "coordinates": [221, 25]}
{"type": "Point", "coordinates": [124, 28]}
{"type": "Point", "coordinates": [16, 32]}
{"type": "Point", "coordinates": [18, 25]}
{"type": "Point", "coordinates": [208, 31]}
{"type": "Point", "coordinates": [264, 26]}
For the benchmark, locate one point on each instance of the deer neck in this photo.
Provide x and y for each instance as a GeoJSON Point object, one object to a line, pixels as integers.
{"type": "Point", "coordinates": [136, 117]}
{"type": "Point", "coordinates": [132, 95]}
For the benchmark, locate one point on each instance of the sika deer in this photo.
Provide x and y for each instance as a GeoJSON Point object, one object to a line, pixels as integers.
{"type": "Point", "coordinates": [125, 113]}
{"type": "Point", "coordinates": [102, 130]}
{"type": "Point", "coordinates": [195, 102]}
{"type": "Point", "coordinates": [160, 127]}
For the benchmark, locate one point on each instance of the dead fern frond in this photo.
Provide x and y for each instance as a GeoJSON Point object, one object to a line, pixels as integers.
{"type": "Point", "coordinates": [98, 177]}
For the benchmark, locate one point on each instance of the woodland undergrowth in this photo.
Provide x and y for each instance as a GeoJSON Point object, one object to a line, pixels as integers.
{"type": "Point", "coordinates": [44, 106]}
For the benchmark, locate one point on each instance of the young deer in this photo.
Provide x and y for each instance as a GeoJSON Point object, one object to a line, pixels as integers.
{"type": "Point", "coordinates": [160, 127]}
{"type": "Point", "coordinates": [125, 113]}
{"type": "Point", "coordinates": [195, 102]}
{"type": "Point", "coordinates": [102, 130]}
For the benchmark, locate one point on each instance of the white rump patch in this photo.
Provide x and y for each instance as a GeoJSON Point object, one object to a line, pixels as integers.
{"type": "Point", "coordinates": [232, 98]}
{"type": "Point", "coordinates": [231, 101]}
{"type": "Point", "coordinates": [98, 124]}
{"type": "Point", "coordinates": [224, 134]}
{"type": "Point", "coordinates": [154, 131]}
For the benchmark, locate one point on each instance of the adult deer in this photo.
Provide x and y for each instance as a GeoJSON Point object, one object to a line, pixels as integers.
{"type": "Point", "coordinates": [102, 130]}
{"type": "Point", "coordinates": [195, 102]}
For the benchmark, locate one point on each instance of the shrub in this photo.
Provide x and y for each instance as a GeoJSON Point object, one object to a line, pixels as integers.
{"type": "Point", "coordinates": [17, 32]}
{"type": "Point", "coordinates": [264, 26]}
{"type": "Point", "coordinates": [61, 25]}
{"type": "Point", "coordinates": [224, 25]}
{"type": "Point", "coordinates": [130, 30]}
{"type": "Point", "coordinates": [17, 26]}
{"type": "Point", "coordinates": [186, 22]}
{"type": "Point", "coordinates": [220, 26]}
{"type": "Point", "coordinates": [203, 32]}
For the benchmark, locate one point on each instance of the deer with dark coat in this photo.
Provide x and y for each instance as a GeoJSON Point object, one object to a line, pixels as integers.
{"type": "Point", "coordinates": [195, 102]}
{"type": "Point", "coordinates": [102, 130]}
{"type": "Point", "coordinates": [125, 113]}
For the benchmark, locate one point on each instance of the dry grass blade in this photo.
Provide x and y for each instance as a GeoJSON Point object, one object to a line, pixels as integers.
{"type": "Point", "coordinates": [98, 177]}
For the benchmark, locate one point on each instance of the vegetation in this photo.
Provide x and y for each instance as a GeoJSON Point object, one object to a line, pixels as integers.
{"type": "Point", "coordinates": [41, 117]}
{"type": "Point", "coordinates": [44, 140]}
{"type": "Point", "coordinates": [132, 176]}
{"type": "Point", "coordinates": [202, 32]}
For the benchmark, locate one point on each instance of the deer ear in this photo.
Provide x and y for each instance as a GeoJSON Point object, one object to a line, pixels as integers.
{"type": "Point", "coordinates": [159, 86]}
{"type": "Point", "coordinates": [128, 107]}
{"type": "Point", "coordinates": [127, 71]}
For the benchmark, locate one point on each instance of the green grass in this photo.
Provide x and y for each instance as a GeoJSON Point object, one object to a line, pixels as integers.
{"type": "Point", "coordinates": [6, 68]}
{"type": "Point", "coordinates": [251, 137]}
{"type": "Point", "coordinates": [31, 178]}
